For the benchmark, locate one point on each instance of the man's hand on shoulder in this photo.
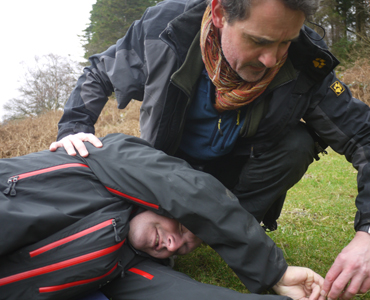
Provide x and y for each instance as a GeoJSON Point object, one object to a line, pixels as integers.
{"type": "Point", "coordinates": [300, 283]}
{"type": "Point", "coordinates": [350, 273]}
{"type": "Point", "coordinates": [74, 142]}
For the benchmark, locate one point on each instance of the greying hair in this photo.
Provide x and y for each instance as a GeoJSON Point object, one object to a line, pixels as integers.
{"type": "Point", "coordinates": [238, 10]}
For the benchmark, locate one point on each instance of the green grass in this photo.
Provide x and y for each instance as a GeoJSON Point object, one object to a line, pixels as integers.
{"type": "Point", "coordinates": [315, 225]}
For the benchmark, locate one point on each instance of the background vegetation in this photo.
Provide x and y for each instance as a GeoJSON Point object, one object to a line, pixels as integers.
{"type": "Point", "coordinates": [317, 219]}
{"type": "Point", "coordinates": [346, 23]}
{"type": "Point", "coordinates": [109, 21]}
{"type": "Point", "coordinates": [47, 86]}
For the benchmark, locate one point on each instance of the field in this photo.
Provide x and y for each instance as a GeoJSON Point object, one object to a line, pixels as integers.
{"type": "Point", "coordinates": [317, 219]}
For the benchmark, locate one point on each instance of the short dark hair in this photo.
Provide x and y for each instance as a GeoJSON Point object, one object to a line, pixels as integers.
{"type": "Point", "coordinates": [238, 10]}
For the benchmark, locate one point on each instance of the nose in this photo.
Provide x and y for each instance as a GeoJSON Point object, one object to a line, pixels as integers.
{"type": "Point", "coordinates": [174, 243]}
{"type": "Point", "coordinates": [269, 57]}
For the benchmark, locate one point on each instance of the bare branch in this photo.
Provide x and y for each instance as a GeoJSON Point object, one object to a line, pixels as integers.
{"type": "Point", "coordinates": [46, 86]}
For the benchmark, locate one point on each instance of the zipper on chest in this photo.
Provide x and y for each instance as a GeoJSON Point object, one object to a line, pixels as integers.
{"type": "Point", "coordinates": [110, 224]}
{"type": "Point", "coordinates": [12, 181]}
{"type": "Point", "coordinates": [225, 133]}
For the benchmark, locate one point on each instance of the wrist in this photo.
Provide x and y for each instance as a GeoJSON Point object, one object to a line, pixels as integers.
{"type": "Point", "coordinates": [277, 286]}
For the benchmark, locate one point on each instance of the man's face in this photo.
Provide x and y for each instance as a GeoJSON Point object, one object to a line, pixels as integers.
{"type": "Point", "coordinates": [254, 45]}
{"type": "Point", "coordinates": [160, 236]}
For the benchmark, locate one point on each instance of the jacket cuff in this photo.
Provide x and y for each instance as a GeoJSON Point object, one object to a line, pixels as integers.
{"type": "Point", "coordinates": [73, 129]}
{"type": "Point", "coordinates": [361, 219]}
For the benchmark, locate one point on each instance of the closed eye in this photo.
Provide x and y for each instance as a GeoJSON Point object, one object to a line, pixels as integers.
{"type": "Point", "coordinates": [261, 42]}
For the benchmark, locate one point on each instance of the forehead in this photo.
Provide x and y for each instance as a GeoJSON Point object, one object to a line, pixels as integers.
{"type": "Point", "coordinates": [272, 20]}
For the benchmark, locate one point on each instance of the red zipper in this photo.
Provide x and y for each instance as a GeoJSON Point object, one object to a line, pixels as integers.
{"type": "Point", "coordinates": [137, 200]}
{"type": "Point", "coordinates": [50, 169]}
{"type": "Point", "coordinates": [14, 179]}
{"type": "Point", "coordinates": [56, 288]}
{"type": "Point", "coordinates": [60, 265]}
{"type": "Point", "coordinates": [141, 273]}
{"type": "Point", "coordinates": [71, 238]}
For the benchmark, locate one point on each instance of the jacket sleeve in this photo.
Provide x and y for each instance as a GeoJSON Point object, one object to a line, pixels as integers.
{"type": "Point", "coordinates": [343, 122]}
{"type": "Point", "coordinates": [120, 69]}
{"type": "Point", "coordinates": [133, 170]}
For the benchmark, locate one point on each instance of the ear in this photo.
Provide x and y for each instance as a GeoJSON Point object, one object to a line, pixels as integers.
{"type": "Point", "coordinates": [218, 12]}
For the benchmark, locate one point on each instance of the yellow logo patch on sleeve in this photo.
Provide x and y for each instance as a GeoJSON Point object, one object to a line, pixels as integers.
{"type": "Point", "coordinates": [319, 63]}
{"type": "Point", "coordinates": [337, 88]}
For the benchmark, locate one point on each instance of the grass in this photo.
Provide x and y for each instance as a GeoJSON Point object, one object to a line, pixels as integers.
{"type": "Point", "coordinates": [315, 225]}
{"type": "Point", "coordinates": [317, 220]}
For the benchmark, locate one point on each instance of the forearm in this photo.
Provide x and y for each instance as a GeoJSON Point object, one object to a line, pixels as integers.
{"type": "Point", "coordinates": [343, 123]}
{"type": "Point", "coordinates": [75, 120]}
{"type": "Point", "coordinates": [361, 163]}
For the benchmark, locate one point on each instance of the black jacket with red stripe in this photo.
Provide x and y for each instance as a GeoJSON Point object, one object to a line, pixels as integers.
{"type": "Point", "coordinates": [43, 193]}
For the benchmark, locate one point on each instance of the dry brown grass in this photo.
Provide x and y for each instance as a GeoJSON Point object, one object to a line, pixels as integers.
{"type": "Point", "coordinates": [28, 135]}
{"type": "Point", "coordinates": [36, 134]}
{"type": "Point", "coordinates": [358, 79]}
{"type": "Point", "coordinates": [113, 120]}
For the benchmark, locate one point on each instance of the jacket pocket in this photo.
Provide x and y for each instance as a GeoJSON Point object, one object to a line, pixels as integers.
{"type": "Point", "coordinates": [80, 258]}
{"type": "Point", "coordinates": [12, 181]}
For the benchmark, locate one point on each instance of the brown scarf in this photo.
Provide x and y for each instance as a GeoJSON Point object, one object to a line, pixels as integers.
{"type": "Point", "coordinates": [232, 92]}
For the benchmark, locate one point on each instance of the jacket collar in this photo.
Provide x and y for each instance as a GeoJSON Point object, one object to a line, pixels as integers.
{"type": "Point", "coordinates": [312, 60]}
{"type": "Point", "coordinates": [181, 31]}
{"type": "Point", "coordinates": [187, 75]}
{"type": "Point", "coordinates": [308, 62]}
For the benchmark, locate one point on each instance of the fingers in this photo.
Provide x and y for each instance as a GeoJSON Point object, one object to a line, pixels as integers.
{"type": "Point", "coordinates": [316, 292]}
{"type": "Point", "coordinates": [352, 289]}
{"type": "Point", "coordinates": [357, 285]}
{"type": "Point", "coordinates": [345, 283]}
{"type": "Point", "coordinates": [74, 142]}
{"type": "Point", "coordinates": [332, 274]}
{"type": "Point", "coordinates": [54, 146]}
{"type": "Point", "coordinates": [338, 286]}
{"type": "Point", "coordinates": [314, 284]}
{"type": "Point", "coordinates": [365, 286]}
{"type": "Point", "coordinates": [89, 137]}
{"type": "Point", "coordinates": [63, 143]}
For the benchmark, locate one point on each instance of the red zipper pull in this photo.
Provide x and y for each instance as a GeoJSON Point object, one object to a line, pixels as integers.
{"type": "Point", "coordinates": [11, 186]}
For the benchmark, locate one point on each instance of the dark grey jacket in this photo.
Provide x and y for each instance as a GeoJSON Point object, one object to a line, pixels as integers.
{"type": "Point", "coordinates": [45, 192]}
{"type": "Point", "coordinates": [152, 64]}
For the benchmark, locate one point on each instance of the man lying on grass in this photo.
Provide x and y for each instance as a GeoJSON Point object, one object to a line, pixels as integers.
{"type": "Point", "coordinates": [65, 219]}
